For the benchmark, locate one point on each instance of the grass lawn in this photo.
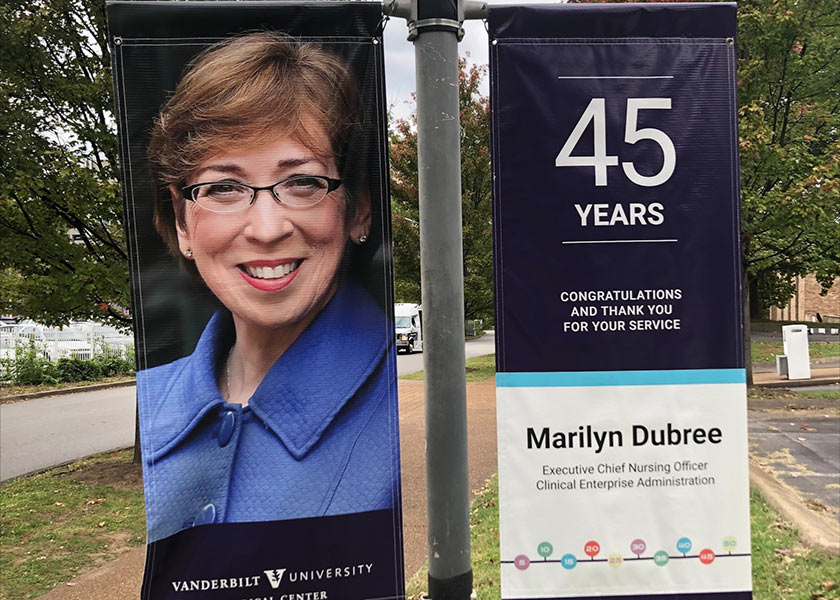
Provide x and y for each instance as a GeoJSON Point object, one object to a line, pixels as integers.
{"type": "Point", "coordinates": [784, 397]}
{"type": "Point", "coordinates": [68, 519]}
{"type": "Point", "coordinates": [479, 368]}
{"type": "Point", "coordinates": [767, 351]}
{"type": "Point", "coordinates": [783, 569]}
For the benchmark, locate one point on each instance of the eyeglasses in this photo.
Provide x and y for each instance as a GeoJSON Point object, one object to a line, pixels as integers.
{"type": "Point", "coordinates": [299, 191]}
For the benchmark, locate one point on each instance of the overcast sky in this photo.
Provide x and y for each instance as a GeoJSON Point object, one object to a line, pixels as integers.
{"type": "Point", "coordinates": [399, 58]}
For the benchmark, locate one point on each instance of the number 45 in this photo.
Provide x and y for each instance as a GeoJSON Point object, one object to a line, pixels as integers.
{"type": "Point", "coordinates": [600, 160]}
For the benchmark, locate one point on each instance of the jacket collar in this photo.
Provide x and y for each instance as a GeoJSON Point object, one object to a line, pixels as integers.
{"type": "Point", "coordinates": [308, 385]}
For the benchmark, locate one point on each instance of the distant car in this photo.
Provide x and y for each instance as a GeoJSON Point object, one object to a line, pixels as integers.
{"type": "Point", "coordinates": [408, 322]}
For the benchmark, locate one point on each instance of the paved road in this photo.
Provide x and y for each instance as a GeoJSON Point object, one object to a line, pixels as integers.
{"type": "Point", "coordinates": [486, 344]}
{"type": "Point", "coordinates": [45, 432]}
{"type": "Point", "coordinates": [795, 462]}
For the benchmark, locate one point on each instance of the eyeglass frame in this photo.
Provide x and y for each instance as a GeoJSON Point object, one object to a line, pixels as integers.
{"type": "Point", "coordinates": [332, 185]}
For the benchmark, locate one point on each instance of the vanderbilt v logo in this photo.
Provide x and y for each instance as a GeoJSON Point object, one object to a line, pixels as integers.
{"type": "Point", "coordinates": [275, 577]}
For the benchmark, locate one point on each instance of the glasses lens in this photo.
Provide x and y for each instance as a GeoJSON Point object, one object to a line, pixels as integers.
{"type": "Point", "coordinates": [222, 197]}
{"type": "Point", "coordinates": [303, 190]}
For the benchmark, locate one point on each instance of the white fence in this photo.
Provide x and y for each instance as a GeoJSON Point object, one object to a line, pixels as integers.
{"type": "Point", "coordinates": [79, 340]}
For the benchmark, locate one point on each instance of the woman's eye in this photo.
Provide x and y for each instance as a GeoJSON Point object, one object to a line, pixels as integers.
{"type": "Point", "coordinates": [304, 185]}
{"type": "Point", "coordinates": [223, 189]}
{"type": "Point", "coordinates": [222, 192]}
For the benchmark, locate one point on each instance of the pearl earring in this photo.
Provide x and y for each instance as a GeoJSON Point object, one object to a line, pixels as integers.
{"type": "Point", "coordinates": [362, 239]}
{"type": "Point", "coordinates": [188, 253]}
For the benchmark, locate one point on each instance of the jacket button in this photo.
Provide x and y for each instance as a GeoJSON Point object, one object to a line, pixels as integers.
{"type": "Point", "coordinates": [226, 427]}
{"type": "Point", "coordinates": [205, 516]}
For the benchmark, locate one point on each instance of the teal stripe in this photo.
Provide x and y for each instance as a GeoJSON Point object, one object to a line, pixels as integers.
{"type": "Point", "coordinates": [599, 378]}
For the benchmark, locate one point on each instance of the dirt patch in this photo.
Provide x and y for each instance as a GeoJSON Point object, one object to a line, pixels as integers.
{"type": "Point", "coordinates": [118, 543]}
{"type": "Point", "coordinates": [786, 400]}
{"type": "Point", "coordinates": [118, 474]}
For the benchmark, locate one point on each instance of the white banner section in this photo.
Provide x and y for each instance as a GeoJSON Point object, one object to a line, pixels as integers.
{"type": "Point", "coordinates": [606, 490]}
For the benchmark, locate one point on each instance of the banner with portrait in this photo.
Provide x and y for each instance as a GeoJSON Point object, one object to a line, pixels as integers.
{"type": "Point", "coordinates": [621, 396]}
{"type": "Point", "coordinates": [254, 160]}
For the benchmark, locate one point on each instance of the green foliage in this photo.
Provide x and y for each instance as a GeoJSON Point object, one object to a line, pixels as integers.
{"type": "Point", "coordinates": [59, 154]}
{"type": "Point", "coordinates": [32, 366]}
{"type": "Point", "coordinates": [112, 366]}
{"type": "Point", "coordinates": [76, 369]}
{"type": "Point", "coordinates": [789, 120]}
{"type": "Point", "coordinates": [475, 200]}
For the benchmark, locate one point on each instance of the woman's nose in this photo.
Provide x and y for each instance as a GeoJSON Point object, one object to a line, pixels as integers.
{"type": "Point", "coordinates": [268, 220]}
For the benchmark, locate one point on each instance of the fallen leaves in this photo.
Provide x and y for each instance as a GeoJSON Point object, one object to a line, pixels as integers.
{"type": "Point", "coordinates": [785, 554]}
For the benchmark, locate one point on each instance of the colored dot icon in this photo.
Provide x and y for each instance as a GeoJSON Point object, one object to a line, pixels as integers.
{"type": "Point", "coordinates": [637, 547]}
{"type": "Point", "coordinates": [591, 548]}
{"type": "Point", "coordinates": [545, 549]}
{"type": "Point", "coordinates": [707, 557]}
{"type": "Point", "coordinates": [521, 562]}
{"type": "Point", "coordinates": [661, 558]}
{"type": "Point", "coordinates": [684, 545]}
{"type": "Point", "coordinates": [729, 543]}
{"type": "Point", "coordinates": [569, 561]}
{"type": "Point", "coordinates": [615, 560]}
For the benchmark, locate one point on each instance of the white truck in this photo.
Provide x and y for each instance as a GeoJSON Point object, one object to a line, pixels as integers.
{"type": "Point", "coordinates": [408, 322]}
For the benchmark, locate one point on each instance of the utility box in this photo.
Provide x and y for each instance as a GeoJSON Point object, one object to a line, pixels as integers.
{"type": "Point", "coordinates": [795, 338]}
{"type": "Point", "coordinates": [781, 365]}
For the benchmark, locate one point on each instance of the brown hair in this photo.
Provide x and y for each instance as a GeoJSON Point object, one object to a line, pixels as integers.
{"type": "Point", "coordinates": [247, 88]}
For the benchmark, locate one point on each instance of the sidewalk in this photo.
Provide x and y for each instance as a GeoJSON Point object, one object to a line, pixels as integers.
{"type": "Point", "coordinates": [823, 372]}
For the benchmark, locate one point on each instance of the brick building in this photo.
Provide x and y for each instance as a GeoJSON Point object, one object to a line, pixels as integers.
{"type": "Point", "coordinates": [807, 302]}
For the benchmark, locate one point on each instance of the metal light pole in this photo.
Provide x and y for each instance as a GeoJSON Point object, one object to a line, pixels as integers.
{"type": "Point", "coordinates": [435, 28]}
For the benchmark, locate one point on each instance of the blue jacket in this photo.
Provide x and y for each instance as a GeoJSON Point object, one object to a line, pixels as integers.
{"type": "Point", "coordinates": [318, 437]}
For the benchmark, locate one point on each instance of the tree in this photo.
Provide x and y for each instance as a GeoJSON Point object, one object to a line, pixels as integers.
{"type": "Point", "coordinates": [62, 247]}
{"type": "Point", "coordinates": [475, 200]}
{"type": "Point", "coordinates": [789, 128]}
{"type": "Point", "coordinates": [789, 117]}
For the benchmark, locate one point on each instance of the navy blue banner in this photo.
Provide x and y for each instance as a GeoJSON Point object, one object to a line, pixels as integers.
{"type": "Point", "coordinates": [254, 159]}
{"type": "Point", "coordinates": [616, 188]}
{"type": "Point", "coordinates": [279, 559]}
{"type": "Point", "coordinates": [620, 383]}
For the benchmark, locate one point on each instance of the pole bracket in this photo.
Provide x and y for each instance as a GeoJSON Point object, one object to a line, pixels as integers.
{"type": "Point", "coordinates": [415, 27]}
{"type": "Point", "coordinates": [408, 10]}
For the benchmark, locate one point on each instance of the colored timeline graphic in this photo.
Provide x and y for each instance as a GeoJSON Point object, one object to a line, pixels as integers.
{"type": "Point", "coordinates": [637, 547]}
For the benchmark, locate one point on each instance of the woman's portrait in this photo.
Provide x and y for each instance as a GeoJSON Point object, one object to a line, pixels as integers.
{"type": "Point", "coordinates": [286, 406]}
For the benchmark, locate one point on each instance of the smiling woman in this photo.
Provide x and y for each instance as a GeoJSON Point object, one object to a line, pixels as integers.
{"type": "Point", "coordinates": [256, 159]}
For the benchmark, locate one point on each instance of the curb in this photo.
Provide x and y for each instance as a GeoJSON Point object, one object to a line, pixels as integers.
{"type": "Point", "coordinates": [794, 383]}
{"type": "Point", "coordinates": [63, 391]}
{"type": "Point", "coordinates": [820, 531]}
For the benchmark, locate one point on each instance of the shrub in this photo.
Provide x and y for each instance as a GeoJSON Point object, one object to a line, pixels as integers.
{"type": "Point", "coordinates": [31, 367]}
{"type": "Point", "coordinates": [76, 369]}
{"type": "Point", "coordinates": [110, 366]}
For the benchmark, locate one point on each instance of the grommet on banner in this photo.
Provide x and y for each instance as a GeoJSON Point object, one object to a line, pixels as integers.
{"type": "Point", "coordinates": [495, 42]}
{"type": "Point", "coordinates": [117, 41]}
{"type": "Point", "coordinates": [730, 41]}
